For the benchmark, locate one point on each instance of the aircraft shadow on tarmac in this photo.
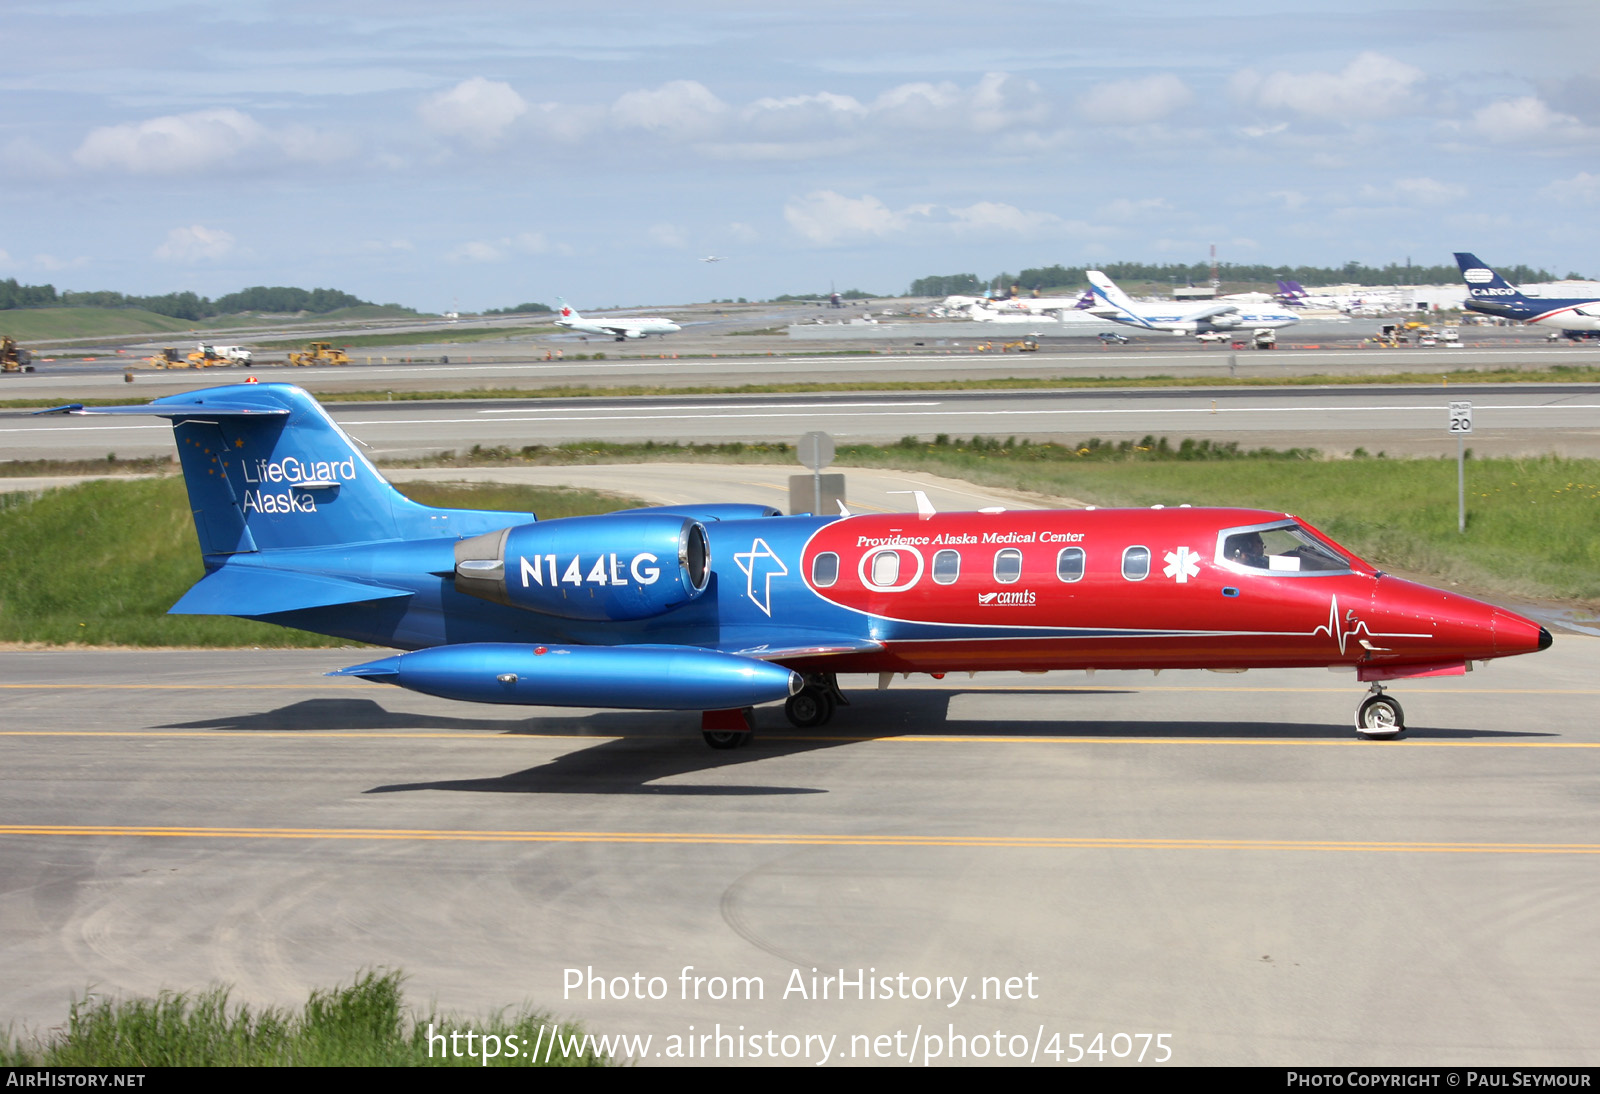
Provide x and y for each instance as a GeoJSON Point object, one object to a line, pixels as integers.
{"type": "Point", "coordinates": [638, 748]}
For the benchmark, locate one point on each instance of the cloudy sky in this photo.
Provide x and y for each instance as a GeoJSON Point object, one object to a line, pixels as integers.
{"type": "Point", "coordinates": [479, 154]}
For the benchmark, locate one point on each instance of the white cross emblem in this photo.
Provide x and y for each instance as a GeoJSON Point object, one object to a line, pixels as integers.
{"type": "Point", "coordinates": [751, 562]}
{"type": "Point", "coordinates": [1182, 564]}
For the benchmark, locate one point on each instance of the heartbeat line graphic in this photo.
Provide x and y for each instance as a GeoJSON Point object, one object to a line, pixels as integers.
{"type": "Point", "coordinates": [1335, 630]}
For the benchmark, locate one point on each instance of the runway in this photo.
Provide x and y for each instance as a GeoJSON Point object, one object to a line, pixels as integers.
{"type": "Point", "coordinates": [1144, 849]}
{"type": "Point", "coordinates": [670, 364]}
{"type": "Point", "coordinates": [1508, 420]}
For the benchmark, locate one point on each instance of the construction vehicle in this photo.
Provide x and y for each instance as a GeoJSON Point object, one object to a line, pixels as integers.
{"type": "Point", "coordinates": [320, 353]}
{"type": "Point", "coordinates": [1025, 345]}
{"type": "Point", "coordinates": [207, 357]}
{"type": "Point", "coordinates": [13, 358]}
{"type": "Point", "coordinates": [1264, 338]}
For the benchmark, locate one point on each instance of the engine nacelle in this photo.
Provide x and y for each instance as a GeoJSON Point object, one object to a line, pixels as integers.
{"type": "Point", "coordinates": [598, 568]}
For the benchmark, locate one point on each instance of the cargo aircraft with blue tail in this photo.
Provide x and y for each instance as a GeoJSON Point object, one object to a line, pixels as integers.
{"type": "Point", "coordinates": [717, 608]}
{"type": "Point", "coordinates": [1490, 294]}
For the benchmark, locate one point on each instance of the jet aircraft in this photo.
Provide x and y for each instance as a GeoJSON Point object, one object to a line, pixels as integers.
{"type": "Point", "coordinates": [1182, 318]}
{"type": "Point", "coordinates": [620, 329]}
{"type": "Point", "coordinates": [1489, 293]}
{"type": "Point", "coordinates": [719, 607]}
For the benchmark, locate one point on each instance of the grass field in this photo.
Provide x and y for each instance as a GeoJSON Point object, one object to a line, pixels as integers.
{"type": "Point", "coordinates": [100, 563]}
{"type": "Point", "coordinates": [364, 1024]}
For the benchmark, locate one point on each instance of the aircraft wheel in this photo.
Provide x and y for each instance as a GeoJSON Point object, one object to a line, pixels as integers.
{"type": "Point", "coordinates": [1380, 716]}
{"type": "Point", "coordinates": [809, 708]}
{"type": "Point", "coordinates": [726, 738]}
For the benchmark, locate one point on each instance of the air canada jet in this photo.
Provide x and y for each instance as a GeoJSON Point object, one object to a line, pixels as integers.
{"type": "Point", "coordinates": [719, 607]}
{"type": "Point", "coordinates": [1489, 293]}
{"type": "Point", "coordinates": [620, 329]}
{"type": "Point", "coordinates": [1221, 315]}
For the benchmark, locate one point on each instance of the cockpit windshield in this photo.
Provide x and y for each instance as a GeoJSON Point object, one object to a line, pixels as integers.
{"type": "Point", "coordinates": [1283, 548]}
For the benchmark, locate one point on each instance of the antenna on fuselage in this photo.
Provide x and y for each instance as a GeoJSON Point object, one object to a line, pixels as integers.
{"type": "Point", "coordinates": [925, 507]}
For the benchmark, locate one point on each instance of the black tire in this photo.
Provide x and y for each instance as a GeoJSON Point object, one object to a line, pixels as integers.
{"type": "Point", "coordinates": [1380, 716]}
{"type": "Point", "coordinates": [725, 738]}
{"type": "Point", "coordinates": [809, 708]}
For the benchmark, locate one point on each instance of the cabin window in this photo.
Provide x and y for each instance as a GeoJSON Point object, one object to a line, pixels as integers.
{"type": "Point", "coordinates": [886, 568]}
{"type": "Point", "coordinates": [946, 567]}
{"type": "Point", "coordinates": [1136, 563]}
{"type": "Point", "coordinates": [1069, 564]}
{"type": "Point", "coordinates": [824, 569]}
{"type": "Point", "coordinates": [1008, 566]}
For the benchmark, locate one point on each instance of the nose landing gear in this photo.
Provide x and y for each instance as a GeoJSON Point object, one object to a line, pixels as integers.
{"type": "Point", "coordinates": [1379, 716]}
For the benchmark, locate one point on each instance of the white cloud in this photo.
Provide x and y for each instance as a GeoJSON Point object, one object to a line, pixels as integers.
{"type": "Point", "coordinates": [176, 143]}
{"type": "Point", "coordinates": [1415, 191]}
{"type": "Point", "coordinates": [1528, 120]}
{"type": "Point", "coordinates": [196, 243]}
{"type": "Point", "coordinates": [1581, 189]}
{"type": "Point", "coordinates": [1372, 85]}
{"type": "Point", "coordinates": [478, 111]}
{"type": "Point", "coordinates": [173, 143]}
{"type": "Point", "coordinates": [825, 217]}
{"type": "Point", "coordinates": [997, 216]}
{"type": "Point", "coordinates": [1135, 102]}
{"type": "Point", "coordinates": [505, 247]}
{"type": "Point", "coordinates": [997, 101]}
{"type": "Point", "coordinates": [681, 109]}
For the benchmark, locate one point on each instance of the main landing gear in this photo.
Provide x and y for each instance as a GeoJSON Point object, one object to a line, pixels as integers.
{"type": "Point", "coordinates": [813, 704]}
{"type": "Point", "coordinates": [1379, 716]}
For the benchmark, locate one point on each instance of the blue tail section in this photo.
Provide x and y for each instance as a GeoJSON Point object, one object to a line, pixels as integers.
{"type": "Point", "coordinates": [1484, 285]}
{"type": "Point", "coordinates": [268, 469]}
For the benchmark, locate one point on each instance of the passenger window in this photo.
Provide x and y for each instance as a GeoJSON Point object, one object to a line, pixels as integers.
{"type": "Point", "coordinates": [1069, 564]}
{"type": "Point", "coordinates": [824, 569]}
{"type": "Point", "coordinates": [886, 567]}
{"type": "Point", "coordinates": [946, 567]}
{"type": "Point", "coordinates": [1136, 563]}
{"type": "Point", "coordinates": [1008, 566]}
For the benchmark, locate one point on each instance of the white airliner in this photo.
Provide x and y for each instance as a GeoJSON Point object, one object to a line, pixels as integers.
{"type": "Point", "coordinates": [1183, 318]}
{"type": "Point", "coordinates": [619, 329]}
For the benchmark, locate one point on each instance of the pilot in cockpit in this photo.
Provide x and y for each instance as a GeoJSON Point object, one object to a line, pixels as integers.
{"type": "Point", "coordinates": [1246, 549]}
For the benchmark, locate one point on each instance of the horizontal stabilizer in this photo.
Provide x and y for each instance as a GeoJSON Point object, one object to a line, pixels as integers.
{"type": "Point", "coordinates": [195, 405]}
{"type": "Point", "coordinates": [250, 591]}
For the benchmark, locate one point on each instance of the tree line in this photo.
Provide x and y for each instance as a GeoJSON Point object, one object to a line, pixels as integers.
{"type": "Point", "coordinates": [277, 299]}
{"type": "Point", "coordinates": [1199, 273]}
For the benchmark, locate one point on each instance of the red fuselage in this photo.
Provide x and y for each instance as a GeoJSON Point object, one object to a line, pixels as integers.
{"type": "Point", "coordinates": [1138, 588]}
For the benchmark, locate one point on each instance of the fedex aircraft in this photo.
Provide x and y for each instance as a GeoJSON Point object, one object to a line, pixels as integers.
{"type": "Point", "coordinates": [1182, 318]}
{"type": "Point", "coordinates": [1488, 292]}
{"type": "Point", "coordinates": [720, 607]}
{"type": "Point", "coordinates": [620, 329]}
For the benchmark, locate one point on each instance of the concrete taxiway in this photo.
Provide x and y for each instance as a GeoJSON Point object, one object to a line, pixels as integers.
{"type": "Point", "coordinates": [1213, 859]}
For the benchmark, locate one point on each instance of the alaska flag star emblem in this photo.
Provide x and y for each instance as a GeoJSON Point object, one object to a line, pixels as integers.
{"type": "Point", "coordinates": [760, 566]}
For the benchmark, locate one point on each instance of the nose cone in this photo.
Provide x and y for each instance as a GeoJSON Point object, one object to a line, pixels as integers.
{"type": "Point", "coordinates": [1515, 634]}
{"type": "Point", "coordinates": [1423, 622]}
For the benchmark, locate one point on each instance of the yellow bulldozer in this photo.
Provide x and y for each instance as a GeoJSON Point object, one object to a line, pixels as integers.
{"type": "Point", "coordinates": [320, 353]}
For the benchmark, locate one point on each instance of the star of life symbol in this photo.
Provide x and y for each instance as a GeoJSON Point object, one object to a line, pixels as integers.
{"type": "Point", "coordinates": [759, 563]}
{"type": "Point", "coordinates": [1182, 564]}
